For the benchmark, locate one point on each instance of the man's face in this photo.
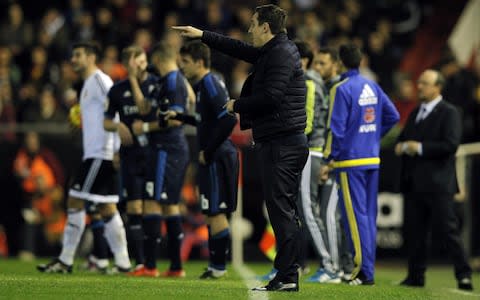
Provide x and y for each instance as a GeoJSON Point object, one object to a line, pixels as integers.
{"type": "Point", "coordinates": [427, 89]}
{"type": "Point", "coordinates": [257, 31]}
{"type": "Point", "coordinates": [189, 67]}
{"type": "Point", "coordinates": [79, 60]}
{"type": "Point", "coordinates": [323, 64]}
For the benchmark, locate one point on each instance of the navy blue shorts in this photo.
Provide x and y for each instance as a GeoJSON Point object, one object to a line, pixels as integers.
{"type": "Point", "coordinates": [167, 171]}
{"type": "Point", "coordinates": [133, 169]}
{"type": "Point", "coordinates": [217, 183]}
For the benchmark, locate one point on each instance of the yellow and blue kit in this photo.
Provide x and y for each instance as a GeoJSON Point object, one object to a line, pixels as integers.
{"type": "Point", "coordinates": [360, 113]}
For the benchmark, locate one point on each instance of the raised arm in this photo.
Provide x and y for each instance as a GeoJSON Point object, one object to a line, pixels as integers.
{"type": "Point", "coordinates": [224, 44]}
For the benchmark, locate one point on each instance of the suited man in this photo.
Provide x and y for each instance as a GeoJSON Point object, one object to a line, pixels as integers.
{"type": "Point", "coordinates": [427, 146]}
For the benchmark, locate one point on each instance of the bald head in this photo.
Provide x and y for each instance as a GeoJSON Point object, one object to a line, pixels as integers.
{"type": "Point", "coordinates": [430, 85]}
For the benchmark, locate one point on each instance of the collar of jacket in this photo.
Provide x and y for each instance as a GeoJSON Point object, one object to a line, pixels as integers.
{"type": "Point", "coordinates": [349, 73]}
{"type": "Point", "coordinates": [278, 38]}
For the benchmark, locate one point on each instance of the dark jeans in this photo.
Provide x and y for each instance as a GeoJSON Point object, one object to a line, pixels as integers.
{"type": "Point", "coordinates": [424, 210]}
{"type": "Point", "coordinates": [282, 162]}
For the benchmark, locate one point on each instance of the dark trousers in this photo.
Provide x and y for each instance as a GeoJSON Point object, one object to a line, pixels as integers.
{"type": "Point", "coordinates": [424, 210]}
{"type": "Point", "coordinates": [282, 163]}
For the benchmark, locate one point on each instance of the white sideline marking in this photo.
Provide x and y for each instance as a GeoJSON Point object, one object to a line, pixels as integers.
{"type": "Point", "coordinates": [249, 279]}
{"type": "Point", "coordinates": [464, 293]}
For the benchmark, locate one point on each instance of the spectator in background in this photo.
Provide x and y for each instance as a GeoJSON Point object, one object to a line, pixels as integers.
{"type": "Point", "coordinates": [110, 64]}
{"type": "Point", "coordinates": [106, 27]}
{"type": "Point", "coordinates": [54, 34]}
{"type": "Point", "coordinates": [47, 110]}
{"type": "Point", "coordinates": [144, 39]}
{"type": "Point", "coordinates": [7, 112]}
{"type": "Point", "coordinates": [405, 100]}
{"type": "Point", "coordinates": [459, 89]}
{"type": "Point", "coordinates": [41, 178]}
{"type": "Point", "coordinates": [16, 33]}
{"type": "Point", "coordinates": [12, 71]}
{"type": "Point", "coordinates": [40, 71]}
{"type": "Point", "coordinates": [85, 29]}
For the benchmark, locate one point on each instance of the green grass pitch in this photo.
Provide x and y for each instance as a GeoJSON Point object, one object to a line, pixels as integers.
{"type": "Point", "coordinates": [20, 280]}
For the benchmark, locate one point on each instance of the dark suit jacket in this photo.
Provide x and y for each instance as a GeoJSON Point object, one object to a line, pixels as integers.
{"type": "Point", "coordinates": [440, 134]}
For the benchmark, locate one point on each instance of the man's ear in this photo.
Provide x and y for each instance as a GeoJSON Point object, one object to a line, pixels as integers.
{"type": "Point", "coordinates": [266, 27]}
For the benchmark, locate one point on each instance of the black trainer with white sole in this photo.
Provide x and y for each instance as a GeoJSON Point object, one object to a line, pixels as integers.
{"type": "Point", "coordinates": [55, 266]}
{"type": "Point", "coordinates": [277, 286]}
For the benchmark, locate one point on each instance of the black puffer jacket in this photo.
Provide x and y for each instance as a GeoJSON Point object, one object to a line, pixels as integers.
{"type": "Point", "coordinates": [273, 98]}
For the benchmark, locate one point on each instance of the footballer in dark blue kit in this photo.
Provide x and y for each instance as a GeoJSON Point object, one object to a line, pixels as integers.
{"type": "Point", "coordinates": [135, 157]}
{"type": "Point", "coordinates": [218, 158]}
{"type": "Point", "coordinates": [169, 145]}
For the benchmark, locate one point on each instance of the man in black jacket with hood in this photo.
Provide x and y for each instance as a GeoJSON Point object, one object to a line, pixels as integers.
{"type": "Point", "coordinates": [273, 105]}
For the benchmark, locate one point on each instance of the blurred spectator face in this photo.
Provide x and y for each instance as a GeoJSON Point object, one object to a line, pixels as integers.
{"type": "Point", "coordinates": [111, 53]}
{"type": "Point", "coordinates": [214, 13]}
{"type": "Point", "coordinates": [32, 142]}
{"type": "Point", "coordinates": [143, 38]}
{"type": "Point", "coordinates": [171, 19]}
{"type": "Point", "coordinates": [323, 64]}
{"type": "Point", "coordinates": [244, 14]}
{"type": "Point", "coordinates": [86, 20]}
{"type": "Point", "coordinates": [189, 67]}
{"type": "Point", "coordinates": [47, 100]}
{"type": "Point", "coordinates": [353, 8]}
{"type": "Point", "coordinates": [427, 89]}
{"type": "Point", "coordinates": [104, 16]}
{"type": "Point", "coordinates": [144, 14]}
{"type": "Point", "coordinates": [39, 56]}
{"type": "Point", "coordinates": [5, 56]}
{"type": "Point", "coordinates": [406, 89]}
{"type": "Point", "coordinates": [76, 4]}
{"type": "Point", "coordinates": [15, 13]}
{"type": "Point", "coordinates": [384, 28]}
{"type": "Point", "coordinates": [376, 42]}
{"type": "Point", "coordinates": [344, 22]}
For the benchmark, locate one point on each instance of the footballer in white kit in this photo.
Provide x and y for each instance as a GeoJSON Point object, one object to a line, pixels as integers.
{"type": "Point", "coordinates": [96, 180]}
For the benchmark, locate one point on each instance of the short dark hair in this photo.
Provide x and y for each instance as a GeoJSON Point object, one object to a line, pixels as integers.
{"type": "Point", "coordinates": [89, 47]}
{"type": "Point", "coordinates": [274, 16]}
{"type": "Point", "coordinates": [164, 50]}
{"type": "Point", "coordinates": [330, 51]}
{"type": "Point", "coordinates": [350, 56]}
{"type": "Point", "coordinates": [305, 51]}
{"type": "Point", "coordinates": [197, 50]}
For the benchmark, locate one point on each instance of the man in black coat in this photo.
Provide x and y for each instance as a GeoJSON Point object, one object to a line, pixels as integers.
{"type": "Point", "coordinates": [428, 144]}
{"type": "Point", "coordinates": [273, 105]}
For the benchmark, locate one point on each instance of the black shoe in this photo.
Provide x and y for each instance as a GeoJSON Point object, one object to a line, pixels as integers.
{"type": "Point", "coordinates": [413, 282]}
{"type": "Point", "coordinates": [55, 266]}
{"type": "Point", "coordinates": [278, 286]}
{"type": "Point", "coordinates": [213, 273]}
{"type": "Point", "coordinates": [465, 284]}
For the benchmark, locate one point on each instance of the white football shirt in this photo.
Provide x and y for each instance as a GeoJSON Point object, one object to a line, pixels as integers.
{"type": "Point", "coordinates": [97, 143]}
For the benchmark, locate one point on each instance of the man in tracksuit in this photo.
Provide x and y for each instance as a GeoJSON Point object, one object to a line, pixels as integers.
{"type": "Point", "coordinates": [360, 114]}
